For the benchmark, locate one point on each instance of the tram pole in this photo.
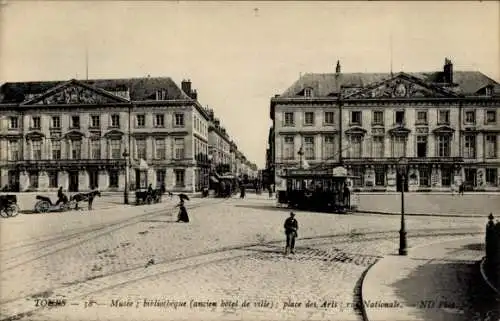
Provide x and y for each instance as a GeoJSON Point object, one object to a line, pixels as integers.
{"type": "Point", "coordinates": [402, 232]}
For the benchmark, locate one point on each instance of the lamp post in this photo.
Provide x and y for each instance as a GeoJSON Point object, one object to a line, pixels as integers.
{"type": "Point", "coordinates": [125, 190]}
{"type": "Point", "coordinates": [402, 168]}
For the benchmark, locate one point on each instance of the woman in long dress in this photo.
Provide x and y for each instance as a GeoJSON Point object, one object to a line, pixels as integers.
{"type": "Point", "coordinates": [183, 214]}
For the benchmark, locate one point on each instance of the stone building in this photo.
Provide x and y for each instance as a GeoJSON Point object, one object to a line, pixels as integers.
{"type": "Point", "coordinates": [75, 134]}
{"type": "Point", "coordinates": [444, 123]}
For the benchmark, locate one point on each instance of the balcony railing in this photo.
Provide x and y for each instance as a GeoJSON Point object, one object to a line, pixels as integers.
{"type": "Point", "coordinates": [411, 160]}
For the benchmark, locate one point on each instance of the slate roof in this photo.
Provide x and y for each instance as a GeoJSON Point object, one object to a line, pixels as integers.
{"type": "Point", "coordinates": [140, 89]}
{"type": "Point", "coordinates": [328, 84]}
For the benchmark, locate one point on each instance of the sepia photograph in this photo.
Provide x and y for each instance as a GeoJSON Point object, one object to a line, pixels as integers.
{"type": "Point", "coordinates": [249, 160]}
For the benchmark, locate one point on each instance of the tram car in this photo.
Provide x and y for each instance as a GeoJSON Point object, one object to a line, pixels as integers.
{"type": "Point", "coordinates": [323, 190]}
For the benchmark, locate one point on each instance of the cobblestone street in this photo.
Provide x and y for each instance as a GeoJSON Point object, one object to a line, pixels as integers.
{"type": "Point", "coordinates": [231, 250]}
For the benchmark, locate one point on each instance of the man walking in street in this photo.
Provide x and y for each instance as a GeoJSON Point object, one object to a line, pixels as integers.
{"type": "Point", "coordinates": [291, 226]}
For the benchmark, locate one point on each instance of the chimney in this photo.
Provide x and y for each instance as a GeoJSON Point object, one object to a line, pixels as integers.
{"type": "Point", "coordinates": [186, 87]}
{"type": "Point", "coordinates": [194, 94]}
{"type": "Point", "coordinates": [337, 69]}
{"type": "Point", "coordinates": [448, 71]}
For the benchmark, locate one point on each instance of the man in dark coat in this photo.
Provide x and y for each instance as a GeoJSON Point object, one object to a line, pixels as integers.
{"type": "Point", "coordinates": [61, 197]}
{"type": "Point", "coordinates": [291, 226]}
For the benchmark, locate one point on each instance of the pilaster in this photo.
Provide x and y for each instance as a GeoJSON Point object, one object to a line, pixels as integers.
{"type": "Point", "coordinates": [391, 179]}
{"type": "Point", "coordinates": [151, 177]}
{"type": "Point", "coordinates": [43, 181]}
{"type": "Point", "coordinates": [369, 177]}
{"type": "Point", "coordinates": [4, 177]}
{"type": "Point", "coordinates": [24, 181]}
{"type": "Point", "coordinates": [413, 179]}
{"type": "Point", "coordinates": [83, 180]}
{"type": "Point", "coordinates": [63, 180]}
{"type": "Point", "coordinates": [121, 180]}
{"type": "Point", "coordinates": [103, 180]}
{"type": "Point", "coordinates": [481, 178]}
{"type": "Point", "coordinates": [436, 177]}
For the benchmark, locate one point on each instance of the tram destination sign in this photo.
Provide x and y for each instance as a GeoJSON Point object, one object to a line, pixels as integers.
{"type": "Point", "coordinates": [309, 172]}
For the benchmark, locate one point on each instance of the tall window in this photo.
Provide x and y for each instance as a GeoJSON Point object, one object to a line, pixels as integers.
{"type": "Point", "coordinates": [56, 122]}
{"type": "Point", "coordinates": [179, 120]}
{"type": "Point", "coordinates": [400, 117]}
{"type": "Point", "coordinates": [113, 178]}
{"type": "Point", "coordinates": [160, 120]}
{"type": "Point", "coordinates": [75, 121]}
{"type": "Point", "coordinates": [56, 149]}
{"type": "Point", "coordinates": [421, 146]}
{"type": "Point", "coordinates": [141, 120]}
{"type": "Point", "coordinates": [95, 121]}
{"type": "Point", "coordinates": [358, 172]}
{"type": "Point", "coordinates": [76, 149]}
{"type": "Point", "coordinates": [378, 117]}
{"type": "Point", "coordinates": [398, 146]}
{"type": "Point", "coordinates": [160, 177]}
{"type": "Point", "coordinates": [379, 175]}
{"type": "Point", "coordinates": [470, 146]}
{"type": "Point", "coordinates": [53, 179]}
{"type": "Point", "coordinates": [470, 117]}
{"type": "Point", "coordinates": [309, 118]}
{"type": "Point", "coordinates": [13, 122]}
{"type": "Point", "coordinates": [356, 118]}
{"type": "Point", "coordinates": [179, 148]}
{"type": "Point", "coordinates": [491, 146]}
{"type": "Point", "coordinates": [179, 177]}
{"type": "Point", "coordinates": [329, 118]}
{"type": "Point", "coordinates": [378, 147]}
{"type": "Point", "coordinates": [115, 121]}
{"type": "Point", "coordinates": [444, 147]}
{"type": "Point", "coordinates": [289, 119]}
{"type": "Point", "coordinates": [446, 175]}
{"type": "Point", "coordinates": [141, 148]}
{"type": "Point", "coordinates": [444, 117]}
{"type": "Point", "coordinates": [116, 148]}
{"type": "Point", "coordinates": [36, 145]}
{"type": "Point", "coordinates": [491, 176]}
{"type": "Point", "coordinates": [160, 149]}
{"type": "Point", "coordinates": [491, 117]}
{"type": "Point", "coordinates": [309, 147]}
{"type": "Point", "coordinates": [355, 146]}
{"type": "Point", "coordinates": [13, 150]}
{"type": "Point", "coordinates": [36, 122]}
{"type": "Point", "coordinates": [95, 147]}
{"type": "Point", "coordinates": [329, 147]}
{"type": "Point", "coordinates": [424, 174]}
{"type": "Point", "coordinates": [289, 147]}
{"type": "Point", "coordinates": [421, 117]}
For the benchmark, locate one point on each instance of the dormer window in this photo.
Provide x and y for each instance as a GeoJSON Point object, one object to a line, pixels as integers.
{"type": "Point", "coordinates": [161, 94]}
{"type": "Point", "coordinates": [487, 91]}
{"type": "Point", "coordinates": [308, 92]}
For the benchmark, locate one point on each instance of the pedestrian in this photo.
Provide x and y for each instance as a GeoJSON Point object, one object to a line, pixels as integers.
{"type": "Point", "coordinates": [291, 227]}
{"type": "Point", "coordinates": [242, 191]}
{"type": "Point", "coordinates": [270, 192]}
{"type": "Point", "coordinates": [183, 214]}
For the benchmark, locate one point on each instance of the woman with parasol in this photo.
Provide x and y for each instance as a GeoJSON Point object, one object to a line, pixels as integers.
{"type": "Point", "coordinates": [183, 214]}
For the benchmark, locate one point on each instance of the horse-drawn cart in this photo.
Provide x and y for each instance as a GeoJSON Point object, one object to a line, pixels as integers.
{"type": "Point", "coordinates": [148, 196]}
{"type": "Point", "coordinates": [8, 206]}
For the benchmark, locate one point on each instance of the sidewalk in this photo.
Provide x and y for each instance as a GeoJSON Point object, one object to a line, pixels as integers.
{"type": "Point", "coordinates": [435, 282]}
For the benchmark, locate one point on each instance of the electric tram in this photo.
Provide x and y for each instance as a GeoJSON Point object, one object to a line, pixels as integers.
{"type": "Point", "coordinates": [324, 190]}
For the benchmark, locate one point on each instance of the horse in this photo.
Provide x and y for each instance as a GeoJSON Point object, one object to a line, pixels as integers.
{"type": "Point", "coordinates": [89, 197]}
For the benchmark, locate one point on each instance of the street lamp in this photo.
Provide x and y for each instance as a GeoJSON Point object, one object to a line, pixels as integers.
{"type": "Point", "coordinates": [402, 168]}
{"type": "Point", "coordinates": [125, 190]}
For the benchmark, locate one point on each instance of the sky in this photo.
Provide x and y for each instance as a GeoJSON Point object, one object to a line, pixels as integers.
{"type": "Point", "coordinates": [240, 54]}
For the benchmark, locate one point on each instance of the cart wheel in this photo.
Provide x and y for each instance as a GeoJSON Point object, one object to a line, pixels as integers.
{"type": "Point", "coordinates": [3, 212]}
{"type": "Point", "coordinates": [42, 207]}
{"type": "Point", "coordinates": [12, 210]}
{"type": "Point", "coordinates": [149, 200]}
{"type": "Point", "coordinates": [70, 206]}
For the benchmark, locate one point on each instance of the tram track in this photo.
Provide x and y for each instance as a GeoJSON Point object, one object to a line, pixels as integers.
{"type": "Point", "coordinates": [104, 282]}
{"type": "Point", "coordinates": [51, 245]}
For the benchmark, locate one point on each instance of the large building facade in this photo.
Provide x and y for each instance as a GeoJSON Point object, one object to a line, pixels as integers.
{"type": "Point", "coordinates": [82, 134]}
{"type": "Point", "coordinates": [444, 124]}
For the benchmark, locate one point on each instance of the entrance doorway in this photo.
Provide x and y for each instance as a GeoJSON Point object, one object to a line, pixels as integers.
{"type": "Point", "coordinates": [13, 181]}
{"type": "Point", "coordinates": [73, 181]}
{"type": "Point", "coordinates": [399, 182]}
{"type": "Point", "coordinates": [470, 177]}
{"type": "Point", "coordinates": [93, 178]}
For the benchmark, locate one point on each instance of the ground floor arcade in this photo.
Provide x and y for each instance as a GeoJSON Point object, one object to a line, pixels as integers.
{"type": "Point", "coordinates": [83, 178]}
{"type": "Point", "coordinates": [419, 177]}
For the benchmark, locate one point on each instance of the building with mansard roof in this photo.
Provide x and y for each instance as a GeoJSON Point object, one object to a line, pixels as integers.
{"type": "Point", "coordinates": [76, 134]}
{"type": "Point", "coordinates": [443, 123]}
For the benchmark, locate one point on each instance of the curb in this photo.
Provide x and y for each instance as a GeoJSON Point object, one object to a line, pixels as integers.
{"type": "Point", "coordinates": [415, 214]}
{"type": "Point", "coordinates": [365, 273]}
{"type": "Point", "coordinates": [485, 276]}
